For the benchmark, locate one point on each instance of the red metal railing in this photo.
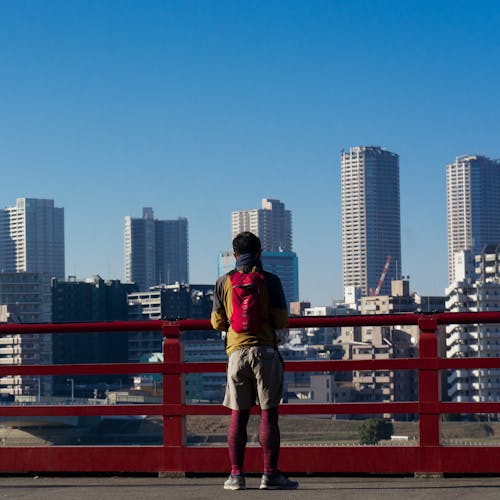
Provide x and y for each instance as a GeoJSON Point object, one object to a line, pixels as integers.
{"type": "Point", "coordinates": [429, 456]}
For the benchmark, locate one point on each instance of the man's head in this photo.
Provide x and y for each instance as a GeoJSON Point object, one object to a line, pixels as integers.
{"type": "Point", "coordinates": [246, 242]}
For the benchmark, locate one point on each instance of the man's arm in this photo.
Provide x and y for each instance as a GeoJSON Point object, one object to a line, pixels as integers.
{"type": "Point", "coordinates": [218, 317]}
{"type": "Point", "coordinates": [278, 310]}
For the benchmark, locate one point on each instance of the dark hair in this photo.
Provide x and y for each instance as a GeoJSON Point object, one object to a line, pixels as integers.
{"type": "Point", "coordinates": [246, 242]}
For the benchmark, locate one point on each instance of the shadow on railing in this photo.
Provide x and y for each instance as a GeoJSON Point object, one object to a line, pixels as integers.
{"type": "Point", "coordinates": [429, 456]}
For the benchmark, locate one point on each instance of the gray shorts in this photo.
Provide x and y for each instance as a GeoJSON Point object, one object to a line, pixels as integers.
{"type": "Point", "coordinates": [254, 373]}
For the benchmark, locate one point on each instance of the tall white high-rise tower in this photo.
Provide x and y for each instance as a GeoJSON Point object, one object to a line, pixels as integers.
{"type": "Point", "coordinates": [32, 238]}
{"type": "Point", "coordinates": [371, 228]}
{"type": "Point", "coordinates": [31, 253]}
{"type": "Point", "coordinates": [473, 204]}
{"type": "Point", "coordinates": [273, 225]}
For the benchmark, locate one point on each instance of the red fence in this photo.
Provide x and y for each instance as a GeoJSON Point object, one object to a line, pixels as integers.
{"type": "Point", "coordinates": [429, 456]}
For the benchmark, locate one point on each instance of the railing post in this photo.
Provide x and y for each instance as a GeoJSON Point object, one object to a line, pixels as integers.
{"type": "Point", "coordinates": [174, 426]}
{"type": "Point", "coordinates": [428, 396]}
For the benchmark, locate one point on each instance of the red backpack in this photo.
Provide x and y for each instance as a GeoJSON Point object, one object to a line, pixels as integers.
{"type": "Point", "coordinates": [246, 292]}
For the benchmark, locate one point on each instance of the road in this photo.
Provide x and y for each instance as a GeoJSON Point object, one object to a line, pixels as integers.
{"type": "Point", "coordinates": [194, 488]}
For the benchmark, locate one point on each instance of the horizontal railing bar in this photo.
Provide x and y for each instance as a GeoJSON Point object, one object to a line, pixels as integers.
{"type": "Point", "coordinates": [83, 369]}
{"type": "Point", "coordinates": [80, 410]}
{"type": "Point", "coordinates": [394, 319]}
{"type": "Point", "coordinates": [294, 322]}
{"type": "Point", "coordinates": [91, 326]}
{"type": "Point", "coordinates": [103, 326]}
{"type": "Point", "coordinates": [464, 407]}
{"type": "Point", "coordinates": [311, 408]}
{"type": "Point", "coordinates": [220, 366]}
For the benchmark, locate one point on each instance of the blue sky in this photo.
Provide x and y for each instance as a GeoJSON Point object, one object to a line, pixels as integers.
{"type": "Point", "coordinates": [198, 108]}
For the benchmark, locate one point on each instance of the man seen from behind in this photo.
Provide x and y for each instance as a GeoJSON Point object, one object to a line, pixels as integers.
{"type": "Point", "coordinates": [249, 304]}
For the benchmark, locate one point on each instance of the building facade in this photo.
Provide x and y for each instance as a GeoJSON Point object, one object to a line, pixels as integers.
{"type": "Point", "coordinates": [473, 206]}
{"type": "Point", "coordinates": [156, 251]}
{"type": "Point", "coordinates": [283, 264]}
{"type": "Point", "coordinates": [25, 298]}
{"type": "Point", "coordinates": [180, 301]}
{"type": "Point", "coordinates": [371, 227]}
{"type": "Point", "coordinates": [168, 302]}
{"type": "Point", "coordinates": [32, 238]}
{"type": "Point", "coordinates": [475, 340]}
{"type": "Point", "coordinates": [91, 300]}
{"type": "Point", "coordinates": [273, 225]}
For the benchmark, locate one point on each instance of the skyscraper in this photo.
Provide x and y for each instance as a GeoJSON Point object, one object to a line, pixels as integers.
{"type": "Point", "coordinates": [371, 228]}
{"type": "Point", "coordinates": [32, 238]}
{"type": "Point", "coordinates": [473, 203]}
{"type": "Point", "coordinates": [273, 225]}
{"type": "Point", "coordinates": [31, 253]}
{"type": "Point", "coordinates": [156, 251]}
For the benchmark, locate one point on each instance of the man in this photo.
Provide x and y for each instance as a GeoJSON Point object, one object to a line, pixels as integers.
{"type": "Point", "coordinates": [249, 304]}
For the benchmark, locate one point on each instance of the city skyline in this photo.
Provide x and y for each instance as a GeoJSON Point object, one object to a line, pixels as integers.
{"type": "Point", "coordinates": [270, 204]}
{"type": "Point", "coordinates": [198, 109]}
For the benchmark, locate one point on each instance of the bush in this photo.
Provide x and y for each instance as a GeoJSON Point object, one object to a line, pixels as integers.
{"type": "Point", "coordinates": [371, 431]}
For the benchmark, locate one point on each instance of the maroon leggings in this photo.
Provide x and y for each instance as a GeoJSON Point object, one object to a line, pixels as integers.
{"type": "Point", "coordinates": [269, 438]}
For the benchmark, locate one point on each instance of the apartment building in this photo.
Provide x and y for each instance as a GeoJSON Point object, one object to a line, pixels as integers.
{"type": "Point", "coordinates": [371, 228]}
{"type": "Point", "coordinates": [473, 206]}
{"type": "Point", "coordinates": [156, 251]}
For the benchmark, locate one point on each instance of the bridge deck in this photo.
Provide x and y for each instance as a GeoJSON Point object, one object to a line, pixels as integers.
{"type": "Point", "coordinates": [345, 488]}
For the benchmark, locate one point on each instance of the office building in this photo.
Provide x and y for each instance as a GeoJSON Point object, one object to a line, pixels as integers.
{"type": "Point", "coordinates": [91, 300]}
{"type": "Point", "coordinates": [156, 251]}
{"type": "Point", "coordinates": [473, 206]}
{"type": "Point", "coordinates": [371, 229]}
{"type": "Point", "coordinates": [32, 238]}
{"type": "Point", "coordinates": [273, 225]}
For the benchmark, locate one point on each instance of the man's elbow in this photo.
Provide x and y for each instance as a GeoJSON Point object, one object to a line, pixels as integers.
{"type": "Point", "coordinates": [280, 318]}
{"type": "Point", "coordinates": [218, 321]}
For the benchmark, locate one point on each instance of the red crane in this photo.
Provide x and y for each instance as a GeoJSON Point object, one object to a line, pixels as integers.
{"type": "Point", "coordinates": [374, 293]}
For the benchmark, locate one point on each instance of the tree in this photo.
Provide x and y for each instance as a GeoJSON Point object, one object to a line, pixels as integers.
{"type": "Point", "coordinates": [371, 431]}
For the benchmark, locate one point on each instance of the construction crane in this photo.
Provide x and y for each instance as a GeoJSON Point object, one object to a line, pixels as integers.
{"type": "Point", "coordinates": [374, 293]}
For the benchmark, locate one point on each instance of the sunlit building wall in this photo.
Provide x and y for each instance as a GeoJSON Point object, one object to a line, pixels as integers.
{"type": "Point", "coordinates": [371, 228]}
{"type": "Point", "coordinates": [273, 225]}
{"type": "Point", "coordinates": [32, 238]}
{"type": "Point", "coordinates": [473, 206]}
{"type": "Point", "coordinates": [156, 251]}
